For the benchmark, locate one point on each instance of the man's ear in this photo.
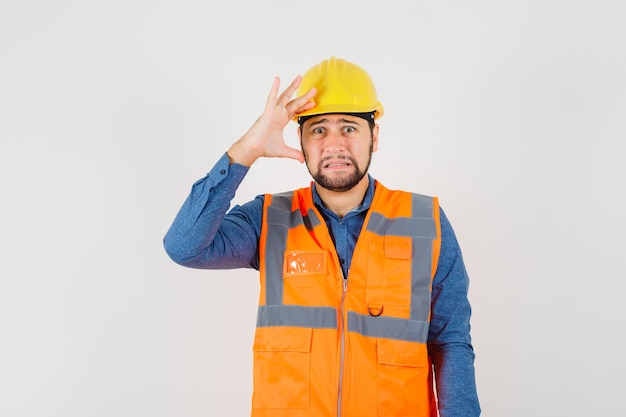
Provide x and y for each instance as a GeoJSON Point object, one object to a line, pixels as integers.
{"type": "Point", "coordinates": [375, 138]}
{"type": "Point", "coordinates": [300, 137]}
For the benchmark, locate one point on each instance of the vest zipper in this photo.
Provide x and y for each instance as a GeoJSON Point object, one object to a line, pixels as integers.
{"type": "Point", "coordinates": [343, 339]}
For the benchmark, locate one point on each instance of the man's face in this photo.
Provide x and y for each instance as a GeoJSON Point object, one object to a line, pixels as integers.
{"type": "Point", "coordinates": [338, 149]}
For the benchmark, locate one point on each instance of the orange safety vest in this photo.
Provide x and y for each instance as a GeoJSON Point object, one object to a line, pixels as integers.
{"type": "Point", "coordinates": [356, 347]}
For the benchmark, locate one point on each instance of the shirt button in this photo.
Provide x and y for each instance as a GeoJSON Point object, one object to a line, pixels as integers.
{"type": "Point", "coordinates": [223, 172]}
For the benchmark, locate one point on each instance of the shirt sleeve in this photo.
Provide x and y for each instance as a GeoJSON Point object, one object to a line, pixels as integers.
{"type": "Point", "coordinates": [204, 235]}
{"type": "Point", "coordinates": [449, 341]}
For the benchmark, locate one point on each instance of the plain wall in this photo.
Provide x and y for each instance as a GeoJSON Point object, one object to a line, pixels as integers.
{"type": "Point", "coordinates": [513, 113]}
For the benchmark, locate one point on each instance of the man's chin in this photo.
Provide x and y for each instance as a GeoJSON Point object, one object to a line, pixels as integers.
{"type": "Point", "coordinates": [340, 183]}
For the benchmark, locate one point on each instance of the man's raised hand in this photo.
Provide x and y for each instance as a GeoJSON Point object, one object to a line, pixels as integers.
{"type": "Point", "coordinates": [265, 137]}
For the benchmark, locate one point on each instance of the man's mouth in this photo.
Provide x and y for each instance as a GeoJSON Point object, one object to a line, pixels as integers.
{"type": "Point", "coordinates": [336, 163]}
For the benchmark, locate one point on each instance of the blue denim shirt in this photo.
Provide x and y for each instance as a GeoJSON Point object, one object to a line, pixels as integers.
{"type": "Point", "coordinates": [345, 230]}
{"type": "Point", "coordinates": [205, 234]}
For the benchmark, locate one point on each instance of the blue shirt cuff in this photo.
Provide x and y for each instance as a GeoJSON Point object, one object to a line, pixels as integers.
{"type": "Point", "coordinates": [224, 169]}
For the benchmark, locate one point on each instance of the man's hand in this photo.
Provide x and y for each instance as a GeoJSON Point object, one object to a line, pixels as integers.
{"type": "Point", "coordinates": [265, 137]}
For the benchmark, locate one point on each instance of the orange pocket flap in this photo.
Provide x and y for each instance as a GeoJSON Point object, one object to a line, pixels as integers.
{"type": "Point", "coordinates": [282, 339]}
{"type": "Point", "coordinates": [398, 247]}
{"type": "Point", "coordinates": [401, 353]}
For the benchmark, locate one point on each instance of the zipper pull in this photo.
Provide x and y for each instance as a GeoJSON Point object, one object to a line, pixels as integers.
{"type": "Point", "coordinates": [345, 285]}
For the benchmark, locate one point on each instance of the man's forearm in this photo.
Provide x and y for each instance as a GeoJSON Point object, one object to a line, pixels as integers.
{"type": "Point", "coordinates": [190, 240]}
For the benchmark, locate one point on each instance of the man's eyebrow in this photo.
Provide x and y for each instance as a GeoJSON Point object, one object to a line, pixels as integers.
{"type": "Point", "coordinates": [318, 122]}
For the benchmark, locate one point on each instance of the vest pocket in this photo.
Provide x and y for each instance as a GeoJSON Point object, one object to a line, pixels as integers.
{"type": "Point", "coordinates": [282, 357]}
{"type": "Point", "coordinates": [389, 271]}
{"type": "Point", "coordinates": [403, 380]}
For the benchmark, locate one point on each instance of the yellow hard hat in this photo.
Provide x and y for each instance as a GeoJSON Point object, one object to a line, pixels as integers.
{"type": "Point", "coordinates": [342, 87]}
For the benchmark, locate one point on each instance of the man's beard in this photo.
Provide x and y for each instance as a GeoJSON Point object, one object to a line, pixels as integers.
{"type": "Point", "coordinates": [344, 183]}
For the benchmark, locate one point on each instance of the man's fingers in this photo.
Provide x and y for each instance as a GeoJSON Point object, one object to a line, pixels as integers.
{"type": "Point", "coordinates": [293, 153]}
{"type": "Point", "coordinates": [302, 103]}
{"type": "Point", "coordinates": [288, 93]}
{"type": "Point", "coordinates": [282, 101]}
{"type": "Point", "coordinates": [271, 98]}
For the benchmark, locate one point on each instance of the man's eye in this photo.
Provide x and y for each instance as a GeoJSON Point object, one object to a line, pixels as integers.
{"type": "Point", "coordinates": [318, 130]}
{"type": "Point", "coordinates": [349, 129]}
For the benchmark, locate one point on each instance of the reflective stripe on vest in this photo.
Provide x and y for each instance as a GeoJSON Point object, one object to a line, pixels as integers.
{"type": "Point", "coordinates": [283, 215]}
{"type": "Point", "coordinates": [422, 230]}
{"type": "Point", "coordinates": [280, 218]}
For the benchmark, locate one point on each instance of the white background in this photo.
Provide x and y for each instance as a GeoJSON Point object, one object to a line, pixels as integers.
{"type": "Point", "coordinates": [513, 113]}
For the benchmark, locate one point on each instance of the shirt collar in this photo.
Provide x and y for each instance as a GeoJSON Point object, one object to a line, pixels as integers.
{"type": "Point", "coordinates": [364, 206]}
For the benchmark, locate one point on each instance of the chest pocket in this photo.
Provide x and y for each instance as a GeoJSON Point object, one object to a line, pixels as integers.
{"type": "Point", "coordinates": [389, 272]}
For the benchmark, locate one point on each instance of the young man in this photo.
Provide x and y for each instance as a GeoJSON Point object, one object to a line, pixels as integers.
{"type": "Point", "coordinates": [363, 307]}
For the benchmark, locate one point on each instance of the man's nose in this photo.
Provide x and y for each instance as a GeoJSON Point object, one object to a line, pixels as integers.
{"type": "Point", "coordinates": [335, 141]}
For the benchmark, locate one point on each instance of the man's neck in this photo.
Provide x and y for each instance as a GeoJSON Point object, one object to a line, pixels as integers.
{"type": "Point", "coordinates": [342, 202]}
